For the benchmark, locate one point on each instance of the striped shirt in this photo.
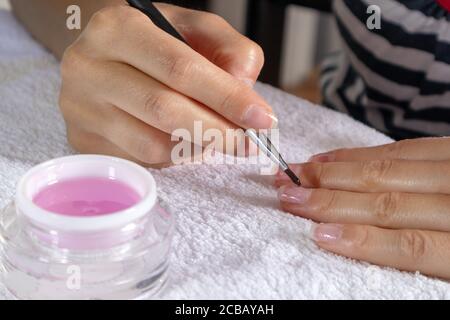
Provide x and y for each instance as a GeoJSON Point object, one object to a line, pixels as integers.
{"type": "Point", "coordinates": [395, 78]}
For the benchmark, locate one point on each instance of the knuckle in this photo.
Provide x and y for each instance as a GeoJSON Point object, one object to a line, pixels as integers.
{"type": "Point", "coordinates": [179, 70]}
{"type": "Point", "coordinates": [255, 51]}
{"type": "Point", "coordinates": [63, 104]}
{"type": "Point", "coordinates": [376, 171]}
{"type": "Point", "coordinates": [242, 46]}
{"type": "Point", "coordinates": [209, 18]}
{"type": "Point", "coordinates": [68, 108]}
{"type": "Point", "coordinates": [105, 22]}
{"type": "Point", "coordinates": [386, 207]}
{"type": "Point", "coordinates": [396, 150]}
{"type": "Point", "coordinates": [72, 60]}
{"type": "Point", "coordinates": [126, 13]}
{"type": "Point", "coordinates": [154, 106]}
{"type": "Point", "coordinates": [319, 174]}
{"type": "Point", "coordinates": [246, 51]}
{"type": "Point", "coordinates": [75, 140]}
{"type": "Point", "coordinates": [114, 15]}
{"type": "Point", "coordinates": [329, 204]}
{"type": "Point", "coordinates": [362, 239]}
{"type": "Point", "coordinates": [413, 244]}
{"type": "Point", "coordinates": [338, 154]}
{"type": "Point", "coordinates": [144, 150]}
{"type": "Point", "coordinates": [131, 20]}
{"type": "Point", "coordinates": [147, 151]}
{"type": "Point", "coordinates": [104, 18]}
{"type": "Point", "coordinates": [229, 100]}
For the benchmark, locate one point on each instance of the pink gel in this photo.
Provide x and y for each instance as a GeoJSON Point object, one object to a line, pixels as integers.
{"type": "Point", "coordinates": [85, 197]}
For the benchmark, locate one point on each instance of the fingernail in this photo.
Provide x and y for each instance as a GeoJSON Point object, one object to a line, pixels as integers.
{"type": "Point", "coordinates": [274, 122]}
{"type": "Point", "coordinates": [257, 117]}
{"type": "Point", "coordinates": [323, 157]}
{"type": "Point", "coordinates": [294, 195]}
{"type": "Point", "coordinates": [283, 177]}
{"type": "Point", "coordinates": [328, 233]}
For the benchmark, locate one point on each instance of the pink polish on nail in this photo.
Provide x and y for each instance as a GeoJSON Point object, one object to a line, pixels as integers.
{"type": "Point", "coordinates": [294, 195]}
{"type": "Point", "coordinates": [328, 233]}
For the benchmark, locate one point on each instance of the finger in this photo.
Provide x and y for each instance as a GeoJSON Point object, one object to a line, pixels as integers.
{"type": "Point", "coordinates": [377, 176]}
{"type": "Point", "coordinates": [414, 149]}
{"type": "Point", "coordinates": [137, 139]}
{"type": "Point", "coordinates": [389, 210]}
{"type": "Point", "coordinates": [410, 250]}
{"type": "Point", "coordinates": [91, 143]}
{"type": "Point", "coordinates": [282, 179]}
{"type": "Point", "coordinates": [140, 140]}
{"type": "Point", "coordinates": [138, 42]}
{"type": "Point", "coordinates": [228, 49]}
{"type": "Point", "coordinates": [159, 106]}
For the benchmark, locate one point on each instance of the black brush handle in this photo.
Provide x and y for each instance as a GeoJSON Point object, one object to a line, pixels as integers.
{"type": "Point", "coordinates": [148, 8]}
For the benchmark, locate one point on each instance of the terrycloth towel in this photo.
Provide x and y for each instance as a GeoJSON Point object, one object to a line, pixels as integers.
{"type": "Point", "coordinates": [231, 240]}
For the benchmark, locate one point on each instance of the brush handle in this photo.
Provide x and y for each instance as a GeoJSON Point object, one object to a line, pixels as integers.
{"type": "Point", "coordinates": [148, 8]}
{"type": "Point", "coordinates": [263, 143]}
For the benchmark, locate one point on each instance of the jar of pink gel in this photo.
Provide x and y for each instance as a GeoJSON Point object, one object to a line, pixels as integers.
{"type": "Point", "coordinates": [85, 227]}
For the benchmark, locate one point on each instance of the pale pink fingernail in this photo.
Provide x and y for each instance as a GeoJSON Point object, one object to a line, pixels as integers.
{"type": "Point", "coordinates": [274, 123]}
{"type": "Point", "coordinates": [328, 233]}
{"type": "Point", "coordinates": [323, 157]}
{"type": "Point", "coordinates": [257, 117]}
{"type": "Point", "coordinates": [281, 177]}
{"type": "Point", "coordinates": [294, 195]}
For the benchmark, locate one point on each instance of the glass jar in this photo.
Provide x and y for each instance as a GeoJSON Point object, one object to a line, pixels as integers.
{"type": "Point", "coordinates": [122, 255]}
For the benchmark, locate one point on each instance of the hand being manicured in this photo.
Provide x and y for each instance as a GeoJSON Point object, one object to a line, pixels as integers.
{"type": "Point", "coordinates": [388, 205]}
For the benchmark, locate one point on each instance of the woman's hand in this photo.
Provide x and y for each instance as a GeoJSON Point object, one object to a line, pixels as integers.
{"type": "Point", "coordinates": [127, 85]}
{"type": "Point", "coordinates": [388, 205]}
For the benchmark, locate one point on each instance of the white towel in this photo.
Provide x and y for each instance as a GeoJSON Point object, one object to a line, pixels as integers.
{"type": "Point", "coordinates": [231, 240]}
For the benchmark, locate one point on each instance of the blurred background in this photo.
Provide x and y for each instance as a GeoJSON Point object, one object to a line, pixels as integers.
{"type": "Point", "coordinates": [4, 4]}
{"type": "Point", "coordinates": [295, 35]}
